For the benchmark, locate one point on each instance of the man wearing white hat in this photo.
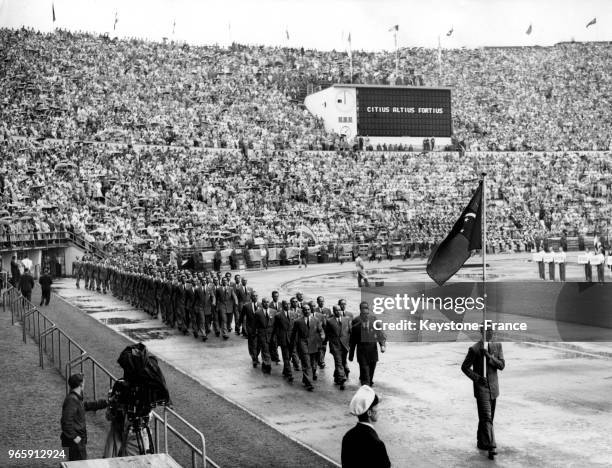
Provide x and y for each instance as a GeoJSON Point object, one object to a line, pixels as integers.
{"type": "Point", "coordinates": [361, 445]}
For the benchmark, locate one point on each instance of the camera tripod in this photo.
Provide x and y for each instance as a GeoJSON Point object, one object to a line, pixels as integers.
{"type": "Point", "coordinates": [137, 424]}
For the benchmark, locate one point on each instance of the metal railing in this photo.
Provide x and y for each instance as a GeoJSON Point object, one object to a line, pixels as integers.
{"type": "Point", "coordinates": [61, 349]}
{"type": "Point", "coordinates": [50, 339]}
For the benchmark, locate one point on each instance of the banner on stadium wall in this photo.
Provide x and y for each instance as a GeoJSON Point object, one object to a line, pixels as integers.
{"type": "Point", "coordinates": [292, 252]}
{"type": "Point", "coordinates": [273, 253]}
{"type": "Point", "coordinates": [255, 255]}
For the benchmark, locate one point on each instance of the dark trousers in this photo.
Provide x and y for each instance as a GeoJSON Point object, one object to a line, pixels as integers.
{"type": "Point", "coordinates": [228, 320]}
{"type": "Point", "coordinates": [486, 412]}
{"type": "Point", "coordinates": [309, 367]}
{"type": "Point", "coordinates": [341, 369]}
{"type": "Point", "coordinates": [219, 322]}
{"type": "Point", "coordinates": [253, 345]}
{"type": "Point", "coordinates": [179, 313]}
{"type": "Point", "coordinates": [588, 273]}
{"type": "Point", "coordinates": [366, 371]}
{"type": "Point", "coordinates": [551, 271]}
{"type": "Point", "coordinates": [45, 296]}
{"type": "Point", "coordinates": [286, 353]}
{"type": "Point", "coordinates": [322, 351]}
{"type": "Point", "coordinates": [541, 270]}
{"type": "Point", "coordinates": [27, 295]}
{"type": "Point", "coordinates": [238, 319]}
{"type": "Point", "coordinates": [562, 271]}
{"type": "Point", "coordinates": [600, 273]}
{"type": "Point", "coordinates": [264, 346]}
{"type": "Point", "coordinates": [77, 451]}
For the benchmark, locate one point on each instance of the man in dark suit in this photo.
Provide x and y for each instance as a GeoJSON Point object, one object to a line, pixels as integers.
{"type": "Point", "coordinates": [248, 314]}
{"type": "Point", "coordinates": [486, 387]}
{"type": "Point", "coordinates": [179, 304]}
{"type": "Point", "coordinates": [225, 306]}
{"type": "Point", "coordinates": [45, 282]}
{"type": "Point", "coordinates": [322, 313]}
{"type": "Point", "coordinates": [15, 273]}
{"type": "Point", "coordinates": [264, 327]}
{"type": "Point", "coordinates": [243, 296]}
{"type": "Point", "coordinates": [26, 284]}
{"type": "Point", "coordinates": [307, 335]}
{"type": "Point", "coordinates": [365, 338]}
{"type": "Point", "coordinates": [338, 333]}
{"type": "Point", "coordinates": [283, 325]}
{"type": "Point", "coordinates": [276, 306]}
{"type": "Point", "coordinates": [296, 313]}
{"type": "Point", "coordinates": [189, 307]}
{"type": "Point", "coordinates": [361, 445]}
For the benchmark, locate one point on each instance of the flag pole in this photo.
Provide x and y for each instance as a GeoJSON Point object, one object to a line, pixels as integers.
{"type": "Point", "coordinates": [484, 266]}
{"type": "Point", "coordinates": [396, 56]}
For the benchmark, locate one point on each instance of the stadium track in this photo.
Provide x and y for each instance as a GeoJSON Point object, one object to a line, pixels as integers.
{"type": "Point", "coordinates": [233, 437]}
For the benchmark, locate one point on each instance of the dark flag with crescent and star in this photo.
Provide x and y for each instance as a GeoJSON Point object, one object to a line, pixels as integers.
{"type": "Point", "coordinates": [466, 235]}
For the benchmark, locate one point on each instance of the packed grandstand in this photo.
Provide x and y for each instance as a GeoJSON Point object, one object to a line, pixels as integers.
{"type": "Point", "coordinates": [133, 143]}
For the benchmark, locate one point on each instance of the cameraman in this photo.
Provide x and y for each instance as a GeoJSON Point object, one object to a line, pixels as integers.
{"type": "Point", "coordinates": [74, 426]}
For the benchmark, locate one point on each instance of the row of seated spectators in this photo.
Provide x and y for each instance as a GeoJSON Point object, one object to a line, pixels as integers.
{"type": "Point", "coordinates": [80, 86]}
{"type": "Point", "coordinates": [172, 196]}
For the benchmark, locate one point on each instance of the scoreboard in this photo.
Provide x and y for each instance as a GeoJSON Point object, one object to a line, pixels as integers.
{"type": "Point", "coordinates": [380, 111]}
{"type": "Point", "coordinates": [403, 111]}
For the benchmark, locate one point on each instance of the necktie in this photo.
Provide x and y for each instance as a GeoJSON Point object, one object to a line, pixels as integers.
{"type": "Point", "coordinates": [308, 322]}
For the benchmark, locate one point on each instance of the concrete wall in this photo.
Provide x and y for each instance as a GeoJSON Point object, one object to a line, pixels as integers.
{"type": "Point", "coordinates": [71, 253]}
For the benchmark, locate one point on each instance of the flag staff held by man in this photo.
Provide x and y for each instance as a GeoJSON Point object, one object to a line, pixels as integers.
{"type": "Point", "coordinates": [470, 233]}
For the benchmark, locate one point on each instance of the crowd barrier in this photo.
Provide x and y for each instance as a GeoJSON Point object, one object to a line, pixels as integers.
{"type": "Point", "coordinates": [66, 355]}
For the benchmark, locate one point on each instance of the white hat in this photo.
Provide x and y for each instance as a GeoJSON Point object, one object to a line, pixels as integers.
{"type": "Point", "coordinates": [363, 399]}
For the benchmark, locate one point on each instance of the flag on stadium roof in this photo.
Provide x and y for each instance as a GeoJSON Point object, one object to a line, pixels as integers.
{"type": "Point", "coordinates": [465, 236]}
{"type": "Point", "coordinates": [287, 33]}
{"type": "Point", "coordinates": [592, 22]}
{"type": "Point", "coordinates": [116, 19]}
{"type": "Point", "coordinates": [529, 29]}
{"type": "Point", "coordinates": [350, 48]}
{"type": "Point", "coordinates": [53, 11]}
{"type": "Point", "coordinates": [394, 28]}
{"type": "Point", "coordinates": [450, 32]}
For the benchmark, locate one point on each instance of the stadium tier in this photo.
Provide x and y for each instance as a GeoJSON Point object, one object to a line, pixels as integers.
{"type": "Point", "coordinates": [81, 86]}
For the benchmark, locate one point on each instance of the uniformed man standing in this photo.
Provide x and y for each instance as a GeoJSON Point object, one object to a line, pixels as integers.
{"type": "Point", "coordinates": [560, 258]}
{"type": "Point", "coordinates": [549, 259]}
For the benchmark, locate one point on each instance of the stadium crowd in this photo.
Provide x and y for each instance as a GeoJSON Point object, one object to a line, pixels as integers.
{"type": "Point", "coordinates": [166, 197]}
{"type": "Point", "coordinates": [80, 86]}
